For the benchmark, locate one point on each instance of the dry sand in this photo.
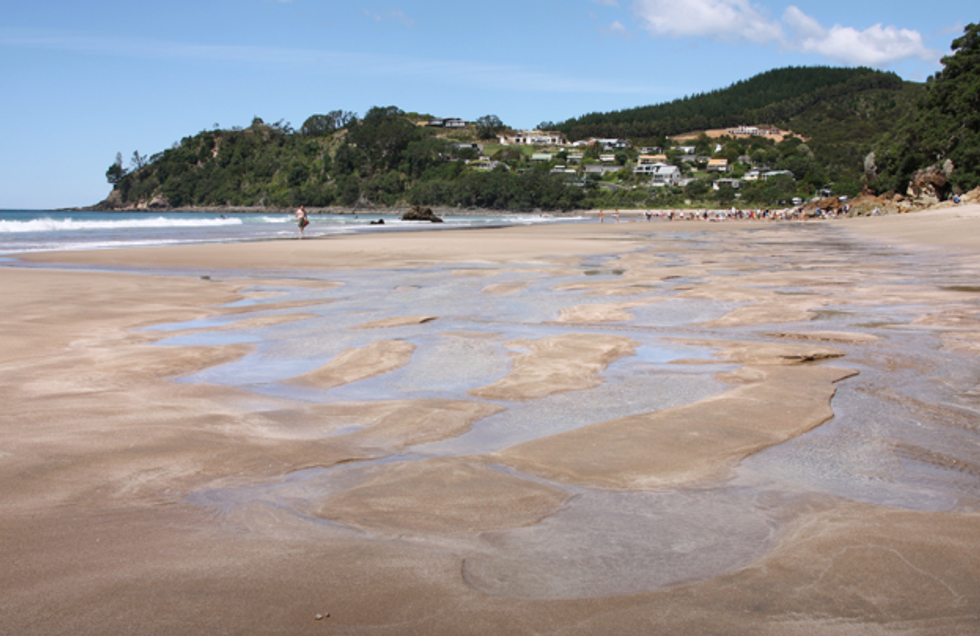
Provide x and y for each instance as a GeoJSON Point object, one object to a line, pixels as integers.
{"type": "Point", "coordinates": [109, 464]}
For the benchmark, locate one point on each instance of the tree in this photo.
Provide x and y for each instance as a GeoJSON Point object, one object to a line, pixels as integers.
{"type": "Point", "coordinates": [317, 126]}
{"type": "Point", "coordinates": [696, 189]}
{"type": "Point", "coordinates": [945, 125]}
{"type": "Point", "coordinates": [323, 125]}
{"type": "Point", "coordinates": [116, 172]}
{"type": "Point", "coordinates": [488, 126]}
{"type": "Point", "coordinates": [137, 161]}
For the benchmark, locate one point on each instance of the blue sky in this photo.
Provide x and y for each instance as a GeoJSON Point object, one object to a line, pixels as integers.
{"type": "Point", "coordinates": [83, 80]}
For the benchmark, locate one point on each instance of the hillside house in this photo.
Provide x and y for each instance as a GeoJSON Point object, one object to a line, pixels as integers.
{"type": "Point", "coordinates": [754, 131]}
{"type": "Point", "coordinates": [718, 165]}
{"type": "Point", "coordinates": [607, 158]}
{"type": "Point", "coordinates": [448, 122]}
{"type": "Point", "coordinates": [486, 163]}
{"type": "Point", "coordinates": [660, 173]}
{"type": "Point", "coordinates": [533, 138]}
{"type": "Point", "coordinates": [734, 183]}
{"type": "Point", "coordinates": [651, 159]}
{"type": "Point", "coordinates": [775, 173]}
{"type": "Point", "coordinates": [601, 169]}
{"type": "Point", "coordinates": [611, 144]}
{"type": "Point", "coordinates": [541, 157]}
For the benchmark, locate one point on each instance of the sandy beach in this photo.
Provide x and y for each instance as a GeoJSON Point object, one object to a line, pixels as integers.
{"type": "Point", "coordinates": [738, 428]}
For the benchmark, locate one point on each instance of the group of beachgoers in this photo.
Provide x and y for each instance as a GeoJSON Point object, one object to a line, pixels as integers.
{"type": "Point", "coordinates": [302, 218]}
{"type": "Point", "coordinates": [734, 214]}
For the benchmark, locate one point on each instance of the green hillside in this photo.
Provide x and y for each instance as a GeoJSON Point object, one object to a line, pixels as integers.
{"type": "Point", "coordinates": [387, 158]}
{"type": "Point", "coordinates": [772, 97]}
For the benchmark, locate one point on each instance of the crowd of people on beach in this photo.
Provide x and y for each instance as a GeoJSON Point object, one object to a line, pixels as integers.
{"type": "Point", "coordinates": [735, 214]}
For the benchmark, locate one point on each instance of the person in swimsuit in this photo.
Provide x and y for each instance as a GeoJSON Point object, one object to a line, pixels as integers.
{"type": "Point", "coordinates": [301, 220]}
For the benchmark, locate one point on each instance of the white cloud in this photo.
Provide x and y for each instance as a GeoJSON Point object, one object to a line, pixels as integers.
{"type": "Point", "coordinates": [742, 21]}
{"type": "Point", "coordinates": [875, 46]}
{"type": "Point", "coordinates": [607, 3]}
{"type": "Point", "coordinates": [720, 19]}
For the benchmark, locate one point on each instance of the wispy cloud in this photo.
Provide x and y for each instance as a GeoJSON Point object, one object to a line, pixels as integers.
{"type": "Point", "coordinates": [394, 15]}
{"type": "Point", "coordinates": [742, 21]}
{"type": "Point", "coordinates": [616, 29]}
{"type": "Point", "coordinates": [347, 64]}
{"type": "Point", "coordinates": [956, 29]}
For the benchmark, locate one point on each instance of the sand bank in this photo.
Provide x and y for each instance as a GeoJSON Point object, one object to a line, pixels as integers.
{"type": "Point", "coordinates": [193, 480]}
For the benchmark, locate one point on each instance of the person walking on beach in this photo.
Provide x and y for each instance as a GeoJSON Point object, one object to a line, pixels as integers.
{"type": "Point", "coordinates": [301, 220]}
{"type": "Point", "coordinates": [602, 216]}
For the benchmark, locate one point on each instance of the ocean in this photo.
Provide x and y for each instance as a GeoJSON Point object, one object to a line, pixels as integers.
{"type": "Point", "coordinates": [50, 230]}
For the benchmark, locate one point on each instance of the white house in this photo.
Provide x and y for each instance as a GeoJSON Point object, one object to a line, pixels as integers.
{"type": "Point", "coordinates": [448, 122]}
{"type": "Point", "coordinates": [660, 173]}
{"type": "Point", "coordinates": [611, 144]}
{"type": "Point", "coordinates": [734, 183]}
{"type": "Point", "coordinates": [601, 169]}
{"type": "Point", "coordinates": [775, 173]}
{"type": "Point", "coordinates": [533, 138]}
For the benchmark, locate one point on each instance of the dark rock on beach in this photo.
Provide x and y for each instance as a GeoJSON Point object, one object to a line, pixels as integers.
{"type": "Point", "coordinates": [420, 213]}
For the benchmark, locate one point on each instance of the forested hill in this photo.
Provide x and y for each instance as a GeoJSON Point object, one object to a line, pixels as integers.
{"type": "Point", "coordinates": [769, 98]}
{"type": "Point", "coordinates": [389, 157]}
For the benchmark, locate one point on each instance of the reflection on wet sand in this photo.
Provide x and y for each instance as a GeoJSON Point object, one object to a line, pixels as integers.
{"type": "Point", "coordinates": [765, 438]}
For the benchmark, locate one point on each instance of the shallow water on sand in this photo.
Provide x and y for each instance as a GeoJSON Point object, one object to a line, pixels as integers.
{"type": "Point", "coordinates": [905, 431]}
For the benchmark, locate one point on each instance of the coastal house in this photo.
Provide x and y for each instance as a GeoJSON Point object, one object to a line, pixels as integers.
{"type": "Point", "coordinates": [718, 165]}
{"type": "Point", "coordinates": [601, 169]}
{"type": "Point", "coordinates": [541, 157]}
{"type": "Point", "coordinates": [611, 144]}
{"type": "Point", "coordinates": [607, 158]}
{"type": "Point", "coordinates": [753, 131]}
{"type": "Point", "coordinates": [448, 122]}
{"type": "Point", "coordinates": [563, 170]}
{"type": "Point", "coordinates": [575, 158]}
{"type": "Point", "coordinates": [651, 150]}
{"type": "Point", "coordinates": [775, 173]}
{"type": "Point", "coordinates": [651, 159]}
{"type": "Point", "coordinates": [734, 183]}
{"type": "Point", "coordinates": [533, 138]}
{"type": "Point", "coordinates": [660, 174]}
{"type": "Point", "coordinates": [486, 164]}
{"type": "Point", "coordinates": [687, 150]}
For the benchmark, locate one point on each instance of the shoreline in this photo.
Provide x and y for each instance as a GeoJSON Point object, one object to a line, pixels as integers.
{"type": "Point", "coordinates": [117, 471]}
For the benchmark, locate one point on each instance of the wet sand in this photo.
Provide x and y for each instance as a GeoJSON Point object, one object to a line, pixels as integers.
{"type": "Point", "coordinates": [259, 438]}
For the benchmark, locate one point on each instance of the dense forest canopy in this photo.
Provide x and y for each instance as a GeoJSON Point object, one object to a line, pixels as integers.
{"type": "Point", "coordinates": [389, 157]}
{"type": "Point", "coordinates": [769, 98]}
{"type": "Point", "coordinates": [943, 126]}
